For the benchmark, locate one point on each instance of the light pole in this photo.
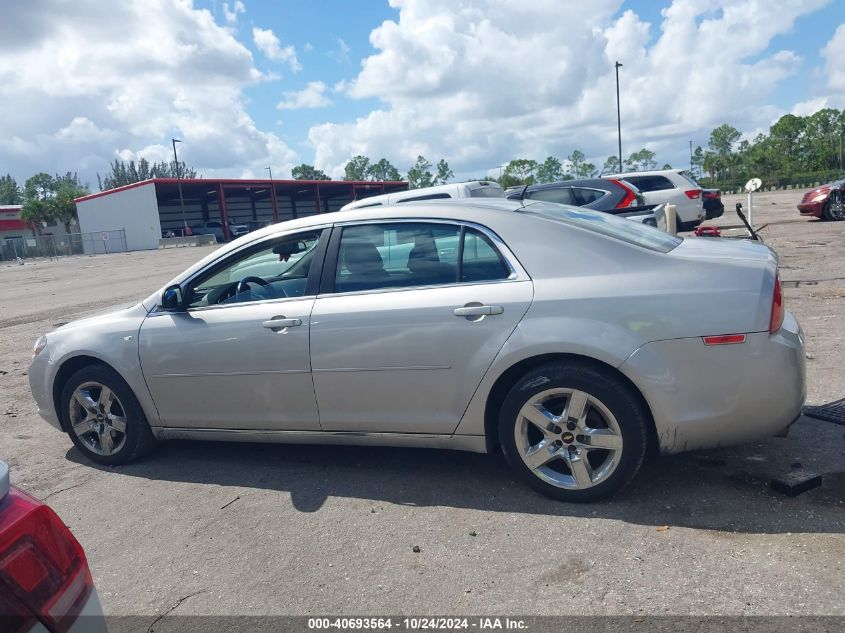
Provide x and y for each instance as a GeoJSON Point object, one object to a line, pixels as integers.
{"type": "Point", "coordinates": [271, 172]}
{"type": "Point", "coordinates": [179, 182]}
{"type": "Point", "coordinates": [618, 117]}
{"type": "Point", "coordinates": [691, 167]}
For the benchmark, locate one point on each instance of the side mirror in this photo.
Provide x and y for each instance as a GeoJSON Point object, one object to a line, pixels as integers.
{"type": "Point", "coordinates": [171, 299]}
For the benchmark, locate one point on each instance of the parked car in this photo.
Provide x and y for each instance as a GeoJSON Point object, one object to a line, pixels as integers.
{"type": "Point", "coordinates": [671, 186]}
{"type": "Point", "coordinates": [713, 206]}
{"type": "Point", "coordinates": [215, 228]}
{"type": "Point", "coordinates": [600, 194]}
{"type": "Point", "coordinates": [570, 338]}
{"type": "Point", "coordinates": [45, 582]}
{"type": "Point", "coordinates": [473, 189]}
{"type": "Point", "coordinates": [826, 202]}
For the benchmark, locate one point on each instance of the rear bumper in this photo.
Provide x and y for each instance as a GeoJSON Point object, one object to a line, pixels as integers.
{"type": "Point", "coordinates": [708, 396]}
{"type": "Point", "coordinates": [814, 209]}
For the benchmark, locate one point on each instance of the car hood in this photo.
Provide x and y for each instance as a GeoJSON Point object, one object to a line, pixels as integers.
{"type": "Point", "coordinates": [721, 248]}
{"type": "Point", "coordinates": [119, 311]}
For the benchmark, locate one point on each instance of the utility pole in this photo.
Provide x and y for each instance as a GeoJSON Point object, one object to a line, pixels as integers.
{"type": "Point", "coordinates": [618, 116]}
{"type": "Point", "coordinates": [690, 159]}
{"type": "Point", "coordinates": [271, 172]}
{"type": "Point", "coordinates": [179, 181]}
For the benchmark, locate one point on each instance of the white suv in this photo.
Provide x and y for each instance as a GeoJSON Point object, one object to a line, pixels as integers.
{"type": "Point", "coordinates": [472, 189]}
{"type": "Point", "coordinates": [671, 186]}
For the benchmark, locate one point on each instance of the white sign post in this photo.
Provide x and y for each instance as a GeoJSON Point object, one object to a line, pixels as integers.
{"type": "Point", "coordinates": [751, 186]}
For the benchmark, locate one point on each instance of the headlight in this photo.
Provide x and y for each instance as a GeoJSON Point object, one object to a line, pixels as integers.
{"type": "Point", "coordinates": [39, 346]}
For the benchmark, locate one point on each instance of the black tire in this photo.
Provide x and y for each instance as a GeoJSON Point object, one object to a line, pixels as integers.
{"type": "Point", "coordinates": [138, 439]}
{"type": "Point", "coordinates": [615, 395]}
{"type": "Point", "coordinates": [833, 208]}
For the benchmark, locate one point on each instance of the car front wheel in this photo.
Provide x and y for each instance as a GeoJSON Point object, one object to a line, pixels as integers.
{"type": "Point", "coordinates": [573, 432]}
{"type": "Point", "coordinates": [834, 208]}
{"type": "Point", "coordinates": [103, 417]}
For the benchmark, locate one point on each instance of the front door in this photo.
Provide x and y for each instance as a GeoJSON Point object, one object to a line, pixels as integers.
{"type": "Point", "coordinates": [237, 356]}
{"type": "Point", "coordinates": [405, 334]}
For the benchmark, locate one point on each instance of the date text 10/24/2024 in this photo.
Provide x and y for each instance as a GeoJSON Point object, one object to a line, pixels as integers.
{"type": "Point", "coordinates": [417, 624]}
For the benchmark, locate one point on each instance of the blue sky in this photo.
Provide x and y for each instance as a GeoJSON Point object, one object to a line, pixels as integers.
{"type": "Point", "coordinates": [477, 82]}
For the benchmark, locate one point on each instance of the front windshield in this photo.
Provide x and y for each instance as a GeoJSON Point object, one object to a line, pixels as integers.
{"type": "Point", "coordinates": [606, 224]}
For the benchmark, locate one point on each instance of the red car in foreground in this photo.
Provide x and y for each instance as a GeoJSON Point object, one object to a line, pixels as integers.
{"type": "Point", "coordinates": [45, 582]}
{"type": "Point", "coordinates": [826, 202]}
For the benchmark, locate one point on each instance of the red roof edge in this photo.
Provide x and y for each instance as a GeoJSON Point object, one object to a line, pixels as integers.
{"type": "Point", "coordinates": [237, 181]}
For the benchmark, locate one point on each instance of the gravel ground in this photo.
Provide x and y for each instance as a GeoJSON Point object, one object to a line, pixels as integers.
{"type": "Point", "coordinates": [272, 529]}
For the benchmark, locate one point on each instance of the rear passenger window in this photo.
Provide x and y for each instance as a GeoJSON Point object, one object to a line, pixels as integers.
{"type": "Point", "coordinates": [402, 255]}
{"type": "Point", "coordinates": [430, 196]}
{"type": "Point", "coordinates": [481, 260]}
{"type": "Point", "coordinates": [561, 195]}
{"type": "Point", "coordinates": [587, 196]}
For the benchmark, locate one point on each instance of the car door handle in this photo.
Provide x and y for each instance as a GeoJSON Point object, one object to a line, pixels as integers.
{"type": "Point", "coordinates": [280, 323]}
{"type": "Point", "coordinates": [482, 310]}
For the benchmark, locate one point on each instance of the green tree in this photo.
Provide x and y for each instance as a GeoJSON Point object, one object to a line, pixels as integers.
{"type": "Point", "coordinates": [519, 171]}
{"type": "Point", "coordinates": [62, 207]}
{"type": "Point", "coordinates": [666, 166]}
{"type": "Point", "coordinates": [444, 173]}
{"type": "Point", "coordinates": [611, 166]}
{"type": "Point", "coordinates": [10, 192]}
{"type": "Point", "coordinates": [420, 175]}
{"type": "Point", "coordinates": [587, 170]}
{"type": "Point", "coordinates": [550, 170]}
{"type": "Point", "coordinates": [122, 173]}
{"type": "Point", "coordinates": [37, 212]}
{"type": "Point", "coordinates": [308, 172]}
{"type": "Point", "coordinates": [641, 160]}
{"type": "Point", "coordinates": [575, 159]}
{"type": "Point", "coordinates": [698, 159]}
{"type": "Point", "coordinates": [41, 186]}
{"type": "Point", "coordinates": [356, 168]}
{"type": "Point", "coordinates": [383, 170]}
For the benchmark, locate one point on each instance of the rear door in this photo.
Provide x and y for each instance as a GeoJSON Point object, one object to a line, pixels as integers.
{"type": "Point", "coordinates": [409, 318]}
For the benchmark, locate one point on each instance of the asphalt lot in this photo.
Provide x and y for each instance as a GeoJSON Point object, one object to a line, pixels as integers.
{"type": "Point", "coordinates": [205, 528]}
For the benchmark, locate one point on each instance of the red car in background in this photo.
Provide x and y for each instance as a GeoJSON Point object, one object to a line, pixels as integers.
{"type": "Point", "coordinates": [826, 202]}
{"type": "Point", "coordinates": [45, 582]}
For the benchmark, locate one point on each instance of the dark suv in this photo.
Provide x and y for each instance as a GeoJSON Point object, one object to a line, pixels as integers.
{"type": "Point", "coordinates": [610, 195]}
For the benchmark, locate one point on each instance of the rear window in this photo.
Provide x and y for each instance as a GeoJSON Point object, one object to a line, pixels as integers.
{"type": "Point", "coordinates": [428, 196]}
{"type": "Point", "coordinates": [486, 192]}
{"type": "Point", "coordinates": [608, 225]}
{"type": "Point", "coordinates": [560, 195]}
{"type": "Point", "coordinates": [686, 176]}
{"type": "Point", "coordinates": [588, 196]}
{"type": "Point", "coordinates": [650, 183]}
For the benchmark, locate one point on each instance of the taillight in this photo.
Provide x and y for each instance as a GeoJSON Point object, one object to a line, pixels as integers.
{"type": "Point", "coordinates": [777, 307]}
{"type": "Point", "coordinates": [42, 566]}
{"type": "Point", "coordinates": [693, 194]}
{"type": "Point", "coordinates": [712, 194]}
{"type": "Point", "coordinates": [629, 199]}
{"type": "Point", "coordinates": [724, 339]}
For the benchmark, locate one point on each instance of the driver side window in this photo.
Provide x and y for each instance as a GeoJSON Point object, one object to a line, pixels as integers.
{"type": "Point", "coordinates": [273, 270]}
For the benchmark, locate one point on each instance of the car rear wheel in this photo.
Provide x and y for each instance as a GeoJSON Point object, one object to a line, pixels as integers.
{"type": "Point", "coordinates": [834, 208]}
{"type": "Point", "coordinates": [573, 432]}
{"type": "Point", "coordinates": [103, 417]}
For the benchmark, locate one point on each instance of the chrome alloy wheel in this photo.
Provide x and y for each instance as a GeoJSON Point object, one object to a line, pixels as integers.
{"type": "Point", "coordinates": [98, 418]}
{"type": "Point", "coordinates": [837, 205]}
{"type": "Point", "coordinates": [568, 438]}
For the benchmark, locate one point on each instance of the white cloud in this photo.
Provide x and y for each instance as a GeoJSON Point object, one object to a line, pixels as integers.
{"type": "Point", "coordinates": [485, 81]}
{"type": "Point", "coordinates": [312, 96]}
{"type": "Point", "coordinates": [341, 55]}
{"type": "Point", "coordinates": [84, 83]}
{"type": "Point", "coordinates": [834, 53]}
{"type": "Point", "coordinates": [271, 46]}
{"type": "Point", "coordinates": [232, 15]}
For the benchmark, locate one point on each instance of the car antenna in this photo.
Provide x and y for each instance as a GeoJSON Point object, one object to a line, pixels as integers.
{"type": "Point", "coordinates": [745, 221]}
{"type": "Point", "coordinates": [522, 195]}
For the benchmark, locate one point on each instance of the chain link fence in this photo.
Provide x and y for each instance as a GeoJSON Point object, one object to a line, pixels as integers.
{"type": "Point", "coordinates": [54, 246]}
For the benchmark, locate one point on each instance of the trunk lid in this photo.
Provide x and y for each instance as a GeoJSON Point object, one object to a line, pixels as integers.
{"type": "Point", "coordinates": [716, 248]}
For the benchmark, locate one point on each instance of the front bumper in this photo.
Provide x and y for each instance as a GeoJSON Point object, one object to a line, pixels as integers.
{"type": "Point", "coordinates": [708, 396]}
{"type": "Point", "coordinates": [39, 385]}
{"type": "Point", "coordinates": [814, 209]}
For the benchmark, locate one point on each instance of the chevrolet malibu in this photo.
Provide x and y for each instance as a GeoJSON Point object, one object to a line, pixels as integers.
{"type": "Point", "coordinates": [572, 340]}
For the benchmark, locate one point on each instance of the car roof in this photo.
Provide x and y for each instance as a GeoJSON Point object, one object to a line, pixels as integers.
{"type": "Point", "coordinates": [451, 208]}
{"type": "Point", "coordinates": [581, 182]}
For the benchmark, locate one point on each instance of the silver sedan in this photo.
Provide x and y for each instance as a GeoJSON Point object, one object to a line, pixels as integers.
{"type": "Point", "coordinates": [572, 340]}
